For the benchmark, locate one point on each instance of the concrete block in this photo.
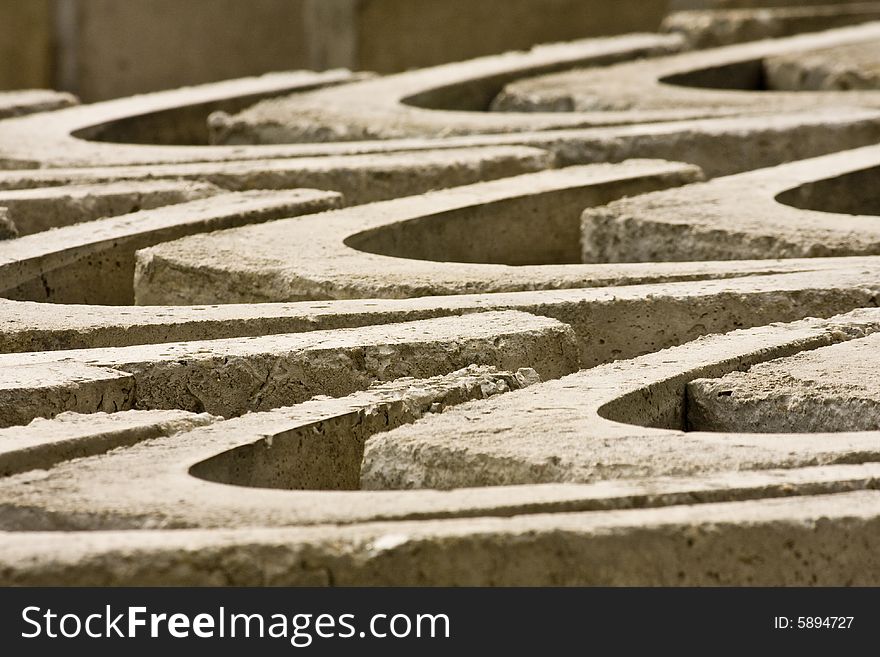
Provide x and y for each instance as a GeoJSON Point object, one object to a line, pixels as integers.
{"type": "Point", "coordinates": [830, 389]}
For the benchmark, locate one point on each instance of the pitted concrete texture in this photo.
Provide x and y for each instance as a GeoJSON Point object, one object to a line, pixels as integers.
{"type": "Point", "coordinates": [845, 68]}
{"type": "Point", "coordinates": [654, 316]}
{"type": "Point", "coordinates": [415, 246]}
{"type": "Point", "coordinates": [44, 443]}
{"type": "Point", "coordinates": [95, 266]}
{"type": "Point", "coordinates": [404, 105]}
{"type": "Point", "coordinates": [519, 232]}
{"type": "Point", "coordinates": [714, 28]}
{"type": "Point", "coordinates": [616, 465]}
{"type": "Point", "coordinates": [36, 210]}
{"type": "Point", "coordinates": [331, 461]}
{"type": "Point", "coordinates": [820, 207]}
{"type": "Point", "coordinates": [768, 542]}
{"type": "Point", "coordinates": [30, 101]}
{"type": "Point", "coordinates": [428, 364]}
{"type": "Point", "coordinates": [41, 390]}
{"type": "Point", "coordinates": [592, 414]}
{"type": "Point", "coordinates": [150, 123]}
{"type": "Point", "coordinates": [830, 389]}
{"type": "Point", "coordinates": [719, 81]}
{"type": "Point", "coordinates": [360, 178]}
{"type": "Point", "coordinates": [234, 376]}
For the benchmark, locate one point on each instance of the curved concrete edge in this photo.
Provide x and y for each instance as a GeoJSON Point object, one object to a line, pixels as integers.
{"type": "Point", "coordinates": [318, 257]}
{"type": "Point", "coordinates": [38, 140]}
{"type": "Point", "coordinates": [70, 264]}
{"type": "Point", "coordinates": [609, 323]}
{"type": "Point", "coordinates": [43, 443]}
{"type": "Point", "coordinates": [747, 141]}
{"type": "Point", "coordinates": [742, 216]}
{"type": "Point", "coordinates": [593, 413]}
{"type": "Point", "coordinates": [621, 466]}
{"type": "Point", "coordinates": [437, 101]}
{"type": "Point", "coordinates": [713, 28]}
{"type": "Point", "coordinates": [239, 375]}
{"type": "Point", "coordinates": [39, 209]}
{"type": "Point", "coordinates": [658, 84]}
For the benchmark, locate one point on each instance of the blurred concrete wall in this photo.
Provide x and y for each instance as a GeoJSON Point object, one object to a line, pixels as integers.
{"type": "Point", "coordinates": [102, 49]}
{"type": "Point", "coordinates": [25, 44]}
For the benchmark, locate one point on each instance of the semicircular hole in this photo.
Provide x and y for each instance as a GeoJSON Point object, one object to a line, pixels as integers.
{"type": "Point", "coordinates": [856, 193]}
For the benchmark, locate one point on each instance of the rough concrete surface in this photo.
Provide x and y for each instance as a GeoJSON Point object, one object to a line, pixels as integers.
{"type": "Point", "coordinates": [710, 28]}
{"type": "Point", "coordinates": [817, 207]}
{"type": "Point", "coordinates": [717, 81]}
{"type": "Point", "coordinates": [847, 68]}
{"type": "Point", "coordinates": [439, 344]}
{"type": "Point", "coordinates": [827, 390]}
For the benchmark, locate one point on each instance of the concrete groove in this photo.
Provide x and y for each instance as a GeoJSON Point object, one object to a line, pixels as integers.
{"type": "Point", "coordinates": [602, 312]}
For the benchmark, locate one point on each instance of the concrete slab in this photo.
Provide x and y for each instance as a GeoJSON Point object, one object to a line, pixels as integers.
{"type": "Point", "coordinates": [855, 67]}
{"type": "Point", "coordinates": [612, 465]}
{"type": "Point", "coordinates": [40, 150]}
{"type": "Point", "coordinates": [234, 376]}
{"type": "Point", "coordinates": [36, 210]}
{"type": "Point", "coordinates": [826, 390]}
{"type": "Point", "coordinates": [609, 323]}
{"type": "Point", "coordinates": [406, 104]}
{"type": "Point", "coordinates": [72, 265]}
{"type": "Point", "coordinates": [711, 28]}
{"type": "Point", "coordinates": [720, 81]}
{"type": "Point", "coordinates": [412, 246]}
{"type": "Point", "coordinates": [768, 543]}
{"type": "Point", "coordinates": [31, 101]}
{"type": "Point", "coordinates": [453, 468]}
{"type": "Point", "coordinates": [818, 207]}
{"type": "Point", "coordinates": [624, 420]}
{"type": "Point", "coordinates": [45, 390]}
{"type": "Point", "coordinates": [360, 178]}
{"type": "Point", "coordinates": [44, 443]}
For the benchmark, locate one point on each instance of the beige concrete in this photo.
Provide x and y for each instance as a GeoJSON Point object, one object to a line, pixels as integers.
{"type": "Point", "coordinates": [360, 178]}
{"type": "Point", "coordinates": [623, 420]}
{"type": "Point", "coordinates": [684, 472]}
{"type": "Point", "coordinates": [44, 390]}
{"type": "Point", "coordinates": [44, 443]}
{"type": "Point", "coordinates": [835, 69]}
{"type": "Point", "coordinates": [724, 27]}
{"type": "Point", "coordinates": [422, 418]}
{"type": "Point", "coordinates": [827, 390]}
{"type": "Point", "coordinates": [381, 250]}
{"type": "Point", "coordinates": [167, 128]}
{"type": "Point", "coordinates": [404, 105]}
{"type": "Point", "coordinates": [32, 101]}
{"type": "Point", "coordinates": [234, 376]}
{"type": "Point", "coordinates": [818, 207]}
{"type": "Point", "coordinates": [96, 266]}
{"type": "Point", "coordinates": [36, 210]}
{"type": "Point", "coordinates": [609, 323]}
{"type": "Point", "coordinates": [718, 81]}
{"type": "Point", "coordinates": [413, 247]}
{"type": "Point", "coordinates": [769, 543]}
